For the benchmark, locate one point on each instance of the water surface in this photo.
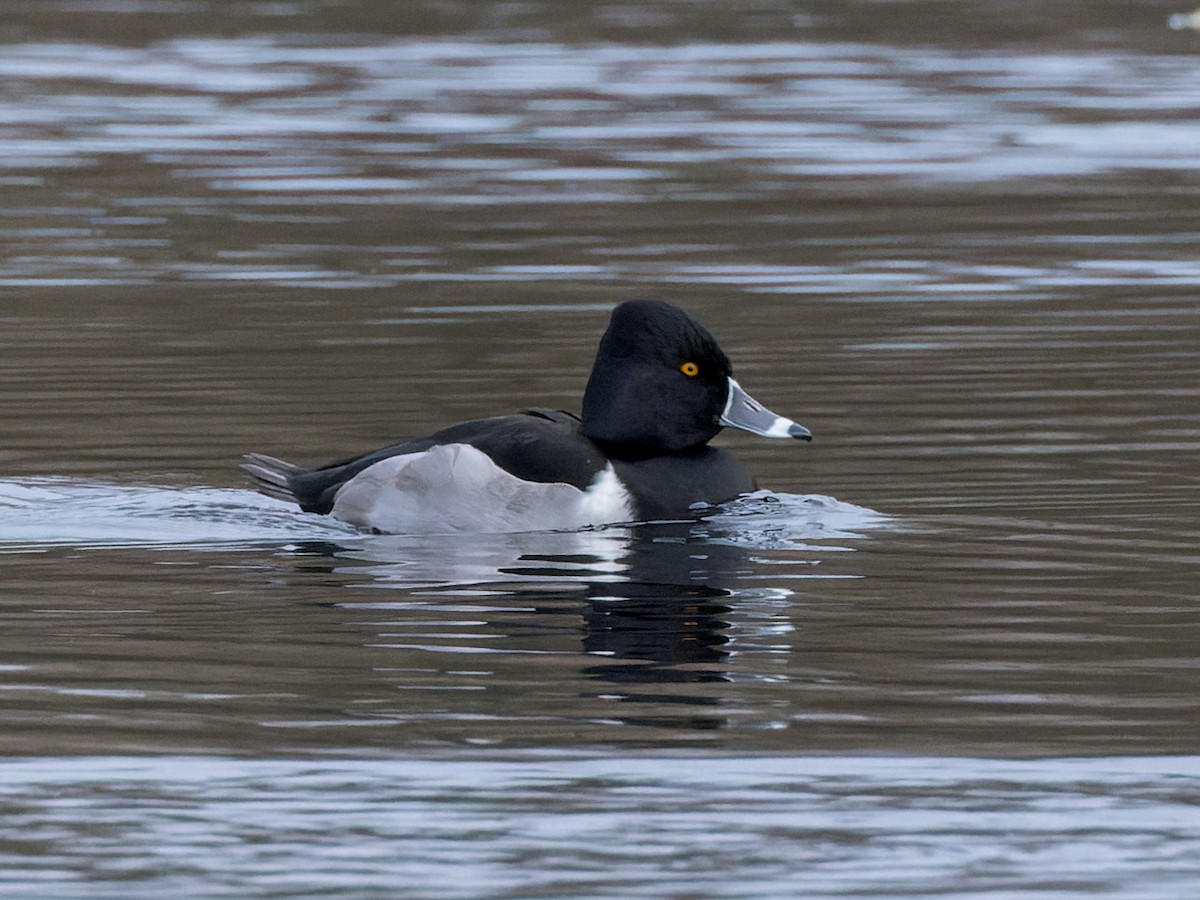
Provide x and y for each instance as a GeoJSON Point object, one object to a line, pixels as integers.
{"type": "Point", "coordinates": [950, 647]}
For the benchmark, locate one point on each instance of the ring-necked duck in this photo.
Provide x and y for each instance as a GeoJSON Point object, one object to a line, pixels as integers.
{"type": "Point", "coordinates": [660, 389]}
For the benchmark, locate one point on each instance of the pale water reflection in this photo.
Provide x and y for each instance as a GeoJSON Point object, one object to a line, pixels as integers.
{"type": "Point", "coordinates": [555, 825]}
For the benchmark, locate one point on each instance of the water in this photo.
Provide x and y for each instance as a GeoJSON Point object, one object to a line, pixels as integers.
{"type": "Point", "coordinates": [949, 649]}
{"type": "Point", "coordinates": [561, 827]}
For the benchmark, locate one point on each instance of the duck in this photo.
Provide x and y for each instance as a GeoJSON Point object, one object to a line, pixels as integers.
{"type": "Point", "coordinates": [660, 389]}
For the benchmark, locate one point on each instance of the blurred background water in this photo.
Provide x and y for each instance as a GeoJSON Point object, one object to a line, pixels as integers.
{"type": "Point", "coordinates": [949, 650]}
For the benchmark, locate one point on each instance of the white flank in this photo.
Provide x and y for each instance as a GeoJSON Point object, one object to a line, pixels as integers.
{"type": "Point", "coordinates": [455, 487]}
{"type": "Point", "coordinates": [606, 500]}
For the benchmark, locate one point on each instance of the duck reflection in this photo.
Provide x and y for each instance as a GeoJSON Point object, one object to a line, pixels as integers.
{"type": "Point", "coordinates": [667, 625]}
{"type": "Point", "coordinates": [654, 600]}
{"type": "Point", "coordinates": [679, 627]}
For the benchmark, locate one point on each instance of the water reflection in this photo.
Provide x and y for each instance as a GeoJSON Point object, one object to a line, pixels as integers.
{"type": "Point", "coordinates": [588, 631]}
{"type": "Point", "coordinates": [288, 142]}
{"type": "Point", "coordinates": [656, 641]}
{"type": "Point", "coordinates": [652, 606]}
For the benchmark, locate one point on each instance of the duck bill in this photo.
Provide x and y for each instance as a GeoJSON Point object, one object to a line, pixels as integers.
{"type": "Point", "coordinates": [743, 411]}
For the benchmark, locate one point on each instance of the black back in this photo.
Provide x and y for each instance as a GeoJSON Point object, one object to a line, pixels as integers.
{"type": "Point", "coordinates": [538, 445]}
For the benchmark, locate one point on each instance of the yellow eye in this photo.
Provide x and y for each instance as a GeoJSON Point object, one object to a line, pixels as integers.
{"type": "Point", "coordinates": [690, 369]}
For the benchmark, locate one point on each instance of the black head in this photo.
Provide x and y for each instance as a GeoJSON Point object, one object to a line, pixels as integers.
{"type": "Point", "coordinates": [660, 382]}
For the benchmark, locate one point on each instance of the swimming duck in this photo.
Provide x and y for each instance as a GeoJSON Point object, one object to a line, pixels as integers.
{"type": "Point", "coordinates": [660, 389]}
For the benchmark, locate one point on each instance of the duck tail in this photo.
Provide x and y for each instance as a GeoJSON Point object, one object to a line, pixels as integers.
{"type": "Point", "coordinates": [271, 476]}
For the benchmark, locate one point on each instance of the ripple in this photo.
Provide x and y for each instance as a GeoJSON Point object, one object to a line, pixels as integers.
{"type": "Point", "coordinates": [38, 513]}
{"type": "Point", "coordinates": [633, 825]}
{"type": "Point", "coordinates": [786, 107]}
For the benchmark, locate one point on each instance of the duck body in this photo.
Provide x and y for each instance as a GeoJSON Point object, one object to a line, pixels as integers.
{"type": "Point", "coordinates": [533, 471]}
{"type": "Point", "coordinates": [660, 390]}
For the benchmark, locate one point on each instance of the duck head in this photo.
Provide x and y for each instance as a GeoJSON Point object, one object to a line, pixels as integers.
{"type": "Point", "coordinates": [661, 384]}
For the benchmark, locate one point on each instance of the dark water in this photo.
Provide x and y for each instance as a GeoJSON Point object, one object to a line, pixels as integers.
{"type": "Point", "coordinates": [949, 650]}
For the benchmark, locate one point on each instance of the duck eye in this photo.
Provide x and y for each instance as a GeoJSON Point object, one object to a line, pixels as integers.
{"type": "Point", "coordinates": [690, 369]}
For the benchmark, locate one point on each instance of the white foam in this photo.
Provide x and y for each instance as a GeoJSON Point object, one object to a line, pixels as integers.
{"type": "Point", "coordinates": [44, 512]}
{"type": "Point", "coordinates": [766, 519]}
